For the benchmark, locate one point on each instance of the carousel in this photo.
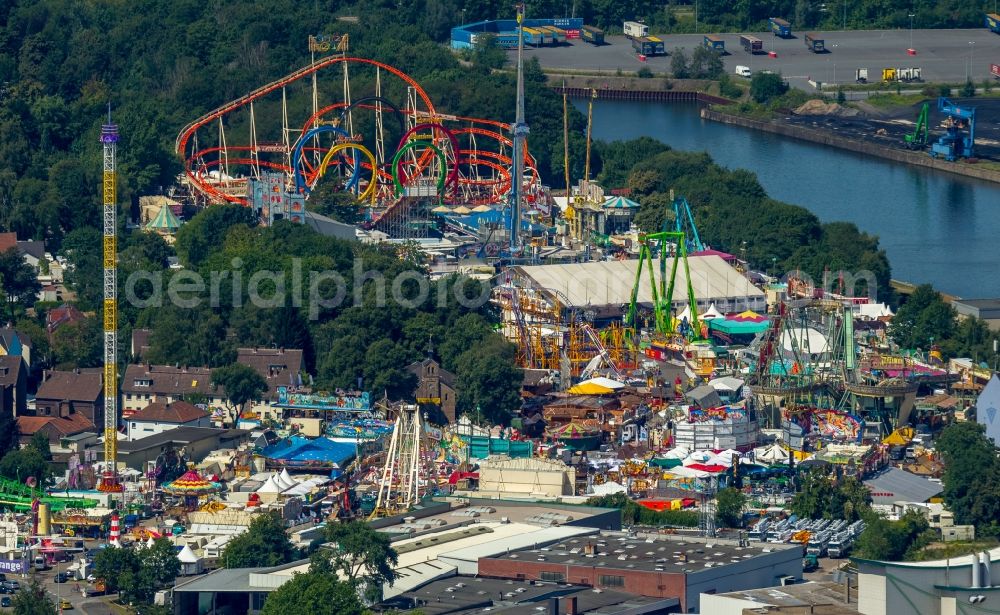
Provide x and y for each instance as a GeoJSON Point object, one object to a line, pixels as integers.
{"type": "Point", "coordinates": [190, 487]}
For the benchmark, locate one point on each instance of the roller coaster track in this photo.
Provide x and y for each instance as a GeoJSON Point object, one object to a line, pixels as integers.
{"type": "Point", "coordinates": [21, 497]}
{"type": "Point", "coordinates": [491, 188]}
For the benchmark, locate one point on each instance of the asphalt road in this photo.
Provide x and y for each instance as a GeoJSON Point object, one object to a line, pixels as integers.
{"type": "Point", "coordinates": [943, 55]}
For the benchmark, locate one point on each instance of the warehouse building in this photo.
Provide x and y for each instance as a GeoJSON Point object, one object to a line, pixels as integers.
{"type": "Point", "coordinates": [651, 565]}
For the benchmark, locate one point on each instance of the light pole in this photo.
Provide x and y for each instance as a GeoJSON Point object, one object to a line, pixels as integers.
{"type": "Point", "coordinates": [911, 29]}
{"type": "Point", "coordinates": [972, 60]}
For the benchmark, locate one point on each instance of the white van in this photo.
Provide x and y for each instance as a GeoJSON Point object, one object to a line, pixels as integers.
{"type": "Point", "coordinates": [743, 71]}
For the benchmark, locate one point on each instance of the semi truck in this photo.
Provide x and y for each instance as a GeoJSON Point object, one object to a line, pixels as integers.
{"type": "Point", "coordinates": [715, 43]}
{"type": "Point", "coordinates": [648, 46]}
{"type": "Point", "coordinates": [634, 29]}
{"type": "Point", "coordinates": [592, 35]}
{"type": "Point", "coordinates": [751, 44]}
{"type": "Point", "coordinates": [861, 75]}
{"type": "Point", "coordinates": [993, 22]}
{"type": "Point", "coordinates": [814, 43]}
{"type": "Point", "coordinates": [780, 27]}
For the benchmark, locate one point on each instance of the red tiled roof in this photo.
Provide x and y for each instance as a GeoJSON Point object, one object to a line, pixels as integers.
{"type": "Point", "coordinates": [68, 426]}
{"type": "Point", "coordinates": [169, 380]}
{"type": "Point", "coordinates": [279, 366]}
{"type": "Point", "coordinates": [176, 412]}
{"type": "Point", "coordinates": [7, 241]}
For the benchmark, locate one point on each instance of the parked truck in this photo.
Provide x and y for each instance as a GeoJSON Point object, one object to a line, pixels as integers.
{"type": "Point", "coordinates": [751, 44]}
{"type": "Point", "coordinates": [861, 75]}
{"type": "Point", "coordinates": [715, 43]}
{"type": "Point", "coordinates": [592, 35]}
{"type": "Point", "coordinates": [634, 29]}
{"type": "Point", "coordinates": [993, 22]}
{"type": "Point", "coordinates": [780, 27]}
{"type": "Point", "coordinates": [648, 46]}
{"type": "Point", "coordinates": [814, 43]}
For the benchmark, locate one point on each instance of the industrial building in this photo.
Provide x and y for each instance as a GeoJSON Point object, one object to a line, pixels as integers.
{"type": "Point", "coordinates": [814, 598]}
{"type": "Point", "coordinates": [652, 565]}
{"type": "Point", "coordinates": [940, 587]}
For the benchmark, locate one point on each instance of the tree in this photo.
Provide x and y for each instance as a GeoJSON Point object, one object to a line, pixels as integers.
{"type": "Point", "coordinates": [41, 444]}
{"type": "Point", "coordinates": [815, 491]}
{"type": "Point", "coordinates": [488, 381]}
{"type": "Point", "coordinates": [317, 592]}
{"type": "Point", "coordinates": [201, 235]}
{"type": "Point", "coordinates": [265, 543]}
{"type": "Point", "coordinates": [679, 64]}
{"type": "Point", "coordinates": [161, 560]}
{"type": "Point", "coordinates": [729, 505]}
{"type": "Point", "coordinates": [765, 87]}
{"type": "Point", "coordinates": [924, 318]}
{"type": "Point", "coordinates": [33, 599]}
{"type": "Point", "coordinates": [113, 564]}
{"type": "Point", "coordinates": [10, 434]}
{"type": "Point", "coordinates": [19, 465]}
{"type": "Point", "coordinates": [706, 63]}
{"type": "Point", "coordinates": [970, 463]}
{"type": "Point", "coordinates": [893, 540]}
{"type": "Point", "coordinates": [363, 555]}
{"type": "Point", "coordinates": [20, 286]}
{"type": "Point", "coordinates": [242, 384]}
{"type": "Point", "coordinates": [83, 247]}
{"type": "Point", "coordinates": [78, 344]}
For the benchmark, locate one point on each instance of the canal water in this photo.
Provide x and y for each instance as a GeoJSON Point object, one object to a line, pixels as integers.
{"type": "Point", "coordinates": [935, 227]}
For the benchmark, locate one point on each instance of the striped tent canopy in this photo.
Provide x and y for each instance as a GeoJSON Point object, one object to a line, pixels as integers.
{"type": "Point", "coordinates": [165, 220]}
{"type": "Point", "coordinates": [619, 202]}
{"type": "Point", "coordinates": [190, 483]}
{"type": "Point", "coordinates": [572, 430]}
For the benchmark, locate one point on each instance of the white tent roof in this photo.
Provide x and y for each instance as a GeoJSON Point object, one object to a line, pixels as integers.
{"type": "Point", "coordinates": [686, 472]}
{"type": "Point", "coordinates": [609, 488]}
{"type": "Point", "coordinates": [725, 458]}
{"type": "Point", "coordinates": [685, 313]}
{"type": "Point", "coordinates": [771, 453]}
{"type": "Point", "coordinates": [806, 340]}
{"type": "Point", "coordinates": [285, 480]}
{"type": "Point", "coordinates": [726, 383]}
{"type": "Point", "coordinates": [271, 486]}
{"type": "Point", "coordinates": [698, 457]}
{"type": "Point", "coordinates": [874, 310]}
{"type": "Point", "coordinates": [187, 556]}
{"type": "Point", "coordinates": [711, 312]}
{"type": "Point", "coordinates": [676, 453]}
{"type": "Point", "coordinates": [605, 382]}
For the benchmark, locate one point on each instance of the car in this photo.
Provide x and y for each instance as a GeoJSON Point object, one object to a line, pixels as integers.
{"type": "Point", "coordinates": [65, 605]}
{"type": "Point", "coordinates": [61, 577]}
{"type": "Point", "coordinates": [5, 602]}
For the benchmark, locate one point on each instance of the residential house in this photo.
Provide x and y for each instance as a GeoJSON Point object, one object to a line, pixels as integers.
{"type": "Point", "coordinates": [144, 383]}
{"type": "Point", "coordinates": [63, 394]}
{"type": "Point", "coordinates": [62, 315]}
{"type": "Point", "coordinates": [278, 366]}
{"type": "Point", "coordinates": [193, 443]}
{"type": "Point", "coordinates": [13, 385]}
{"type": "Point", "coordinates": [55, 428]}
{"type": "Point", "coordinates": [16, 343]}
{"type": "Point", "coordinates": [435, 386]}
{"type": "Point", "coordinates": [159, 417]}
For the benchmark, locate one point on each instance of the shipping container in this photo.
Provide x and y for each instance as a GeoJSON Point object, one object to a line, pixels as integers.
{"type": "Point", "coordinates": [648, 46]}
{"type": "Point", "coordinates": [993, 22]}
{"type": "Point", "coordinates": [715, 43]}
{"type": "Point", "coordinates": [634, 29]}
{"type": "Point", "coordinates": [558, 34]}
{"type": "Point", "coordinates": [751, 44]}
{"type": "Point", "coordinates": [592, 35]}
{"type": "Point", "coordinates": [780, 27]}
{"type": "Point", "coordinates": [533, 37]}
{"type": "Point", "coordinates": [814, 43]}
{"type": "Point", "coordinates": [507, 40]}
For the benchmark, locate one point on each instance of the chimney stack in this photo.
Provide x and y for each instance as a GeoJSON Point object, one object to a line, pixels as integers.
{"type": "Point", "coordinates": [571, 605]}
{"type": "Point", "coordinates": [553, 606]}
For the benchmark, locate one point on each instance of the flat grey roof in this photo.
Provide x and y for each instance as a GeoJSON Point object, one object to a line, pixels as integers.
{"type": "Point", "coordinates": [183, 435]}
{"type": "Point", "coordinates": [234, 580]}
{"type": "Point", "coordinates": [465, 595]}
{"type": "Point", "coordinates": [895, 485]}
{"type": "Point", "coordinates": [799, 594]}
{"type": "Point", "coordinates": [620, 552]}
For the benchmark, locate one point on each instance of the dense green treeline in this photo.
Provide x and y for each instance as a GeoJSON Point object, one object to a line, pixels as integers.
{"type": "Point", "coordinates": [731, 15]}
{"type": "Point", "coordinates": [734, 214]}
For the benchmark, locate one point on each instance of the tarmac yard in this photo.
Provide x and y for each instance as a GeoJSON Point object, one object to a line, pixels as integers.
{"type": "Point", "coordinates": [889, 126]}
{"type": "Point", "coordinates": [943, 55]}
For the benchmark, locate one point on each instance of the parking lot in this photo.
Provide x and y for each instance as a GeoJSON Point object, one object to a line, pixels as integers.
{"type": "Point", "coordinates": [943, 55]}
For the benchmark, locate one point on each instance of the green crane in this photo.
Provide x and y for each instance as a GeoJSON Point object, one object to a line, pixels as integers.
{"type": "Point", "coordinates": [918, 140]}
{"type": "Point", "coordinates": [662, 291]}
